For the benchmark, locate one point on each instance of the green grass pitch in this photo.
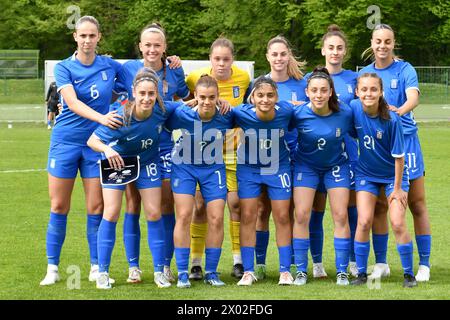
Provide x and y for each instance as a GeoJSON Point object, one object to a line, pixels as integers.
{"type": "Point", "coordinates": [24, 207]}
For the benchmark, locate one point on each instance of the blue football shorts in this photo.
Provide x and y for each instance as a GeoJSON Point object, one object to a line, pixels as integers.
{"type": "Point", "coordinates": [64, 161]}
{"type": "Point", "coordinates": [414, 157]}
{"type": "Point", "coordinates": [336, 177]}
{"type": "Point", "coordinates": [211, 179]}
{"type": "Point", "coordinates": [363, 183]}
{"type": "Point", "coordinates": [149, 177]}
{"type": "Point", "coordinates": [251, 179]}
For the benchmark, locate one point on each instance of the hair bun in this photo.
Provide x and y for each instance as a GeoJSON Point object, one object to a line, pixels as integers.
{"type": "Point", "coordinates": [333, 28]}
{"type": "Point", "coordinates": [321, 69]}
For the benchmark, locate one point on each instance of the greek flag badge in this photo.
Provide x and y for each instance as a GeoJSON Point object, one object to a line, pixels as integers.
{"type": "Point", "coordinates": [338, 132]}
{"type": "Point", "coordinates": [104, 76]}
{"type": "Point", "coordinates": [349, 88]}
{"type": "Point", "coordinates": [379, 134]}
{"type": "Point", "coordinates": [394, 83]}
{"type": "Point", "coordinates": [236, 92]}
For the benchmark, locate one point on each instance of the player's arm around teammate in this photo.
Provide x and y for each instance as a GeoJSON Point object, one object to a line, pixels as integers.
{"type": "Point", "coordinates": [233, 83]}
{"type": "Point", "coordinates": [198, 160]}
{"type": "Point", "coordinates": [285, 70]}
{"type": "Point", "coordinates": [380, 166]}
{"type": "Point", "coordinates": [320, 158]}
{"type": "Point", "coordinates": [85, 82]}
{"type": "Point", "coordinates": [143, 119]}
{"type": "Point", "coordinates": [263, 161]}
{"type": "Point", "coordinates": [401, 91]}
{"type": "Point", "coordinates": [153, 47]}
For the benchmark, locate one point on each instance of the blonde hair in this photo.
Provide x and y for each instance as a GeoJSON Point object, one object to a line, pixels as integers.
{"type": "Point", "coordinates": [294, 69]}
{"type": "Point", "coordinates": [222, 42]}
{"type": "Point", "coordinates": [144, 74]}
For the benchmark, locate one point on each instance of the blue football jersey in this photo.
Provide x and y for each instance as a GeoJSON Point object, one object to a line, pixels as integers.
{"type": "Point", "coordinates": [264, 142]}
{"type": "Point", "coordinates": [321, 138]}
{"type": "Point", "coordinates": [93, 85]}
{"type": "Point", "coordinates": [201, 142]}
{"type": "Point", "coordinates": [140, 138]}
{"type": "Point", "coordinates": [380, 142]}
{"type": "Point", "coordinates": [397, 78]}
{"type": "Point", "coordinates": [176, 86]}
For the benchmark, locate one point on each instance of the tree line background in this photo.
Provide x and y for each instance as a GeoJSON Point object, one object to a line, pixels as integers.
{"type": "Point", "coordinates": [422, 27]}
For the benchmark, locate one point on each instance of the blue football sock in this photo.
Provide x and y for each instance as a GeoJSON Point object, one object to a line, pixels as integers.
{"type": "Point", "coordinates": [56, 233]}
{"type": "Point", "coordinates": [212, 257]}
{"type": "Point", "coordinates": [406, 256]}
{"type": "Point", "coordinates": [169, 225]}
{"type": "Point", "coordinates": [301, 247]}
{"type": "Point", "coordinates": [93, 222]}
{"type": "Point", "coordinates": [132, 238]}
{"type": "Point", "coordinates": [248, 257]}
{"type": "Point", "coordinates": [284, 256]}
{"type": "Point", "coordinates": [362, 250]}
{"type": "Point", "coordinates": [155, 239]}
{"type": "Point", "coordinates": [424, 247]}
{"type": "Point", "coordinates": [380, 244]}
{"type": "Point", "coordinates": [342, 251]}
{"type": "Point", "coordinates": [262, 242]}
{"type": "Point", "coordinates": [316, 235]}
{"type": "Point", "coordinates": [353, 222]}
{"type": "Point", "coordinates": [182, 259]}
{"type": "Point", "coordinates": [106, 240]}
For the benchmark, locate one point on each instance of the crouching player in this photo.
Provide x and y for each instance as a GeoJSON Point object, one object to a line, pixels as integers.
{"type": "Point", "coordinates": [381, 164]}
{"type": "Point", "coordinates": [143, 120]}
{"type": "Point", "coordinates": [198, 159]}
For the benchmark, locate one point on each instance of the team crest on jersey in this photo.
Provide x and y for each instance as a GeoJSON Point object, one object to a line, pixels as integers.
{"type": "Point", "coordinates": [104, 76]}
{"type": "Point", "coordinates": [394, 83]}
{"type": "Point", "coordinates": [236, 92]}
{"type": "Point", "coordinates": [338, 132]}
{"type": "Point", "coordinates": [379, 134]}
{"type": "Point", "coordinates": [159, 128]}
{"type": "Point", "coordinates": [349, 88]}
{"type": "Point", "coordinates": [281, 133]}
{"type": "Point", "coordinates": [219, 135]}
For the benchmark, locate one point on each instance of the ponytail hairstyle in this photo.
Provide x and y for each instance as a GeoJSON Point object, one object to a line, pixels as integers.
{"type": "Point", "coordinates": [144, 74]}
{"type": "Point", "coordinates": [383, 107]}
{"type": "Point", "coordinates": [207, 81]}
{"type": "Point", "coordinates": [222, 42]}
{"type": "Point", "coordinates": [368, 53]}
{"type": "Point", "coordinates": [258, 83]}
{"type": "Point", "coordinates": [335, 30]}
{"type": "Point", "coordinates": [155, 27]}
{"type": "Point", "coordinates": [90, 19]}
{"type": "Point", "coordinates": [321, 72]}
{"type": "Point", "coordinates": [294, 69]}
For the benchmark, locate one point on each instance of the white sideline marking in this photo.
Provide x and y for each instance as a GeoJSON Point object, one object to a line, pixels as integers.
{"type": "Point", "coordinates": [21, 171]}
{"type": "Point", "coordinates": [21, 108]}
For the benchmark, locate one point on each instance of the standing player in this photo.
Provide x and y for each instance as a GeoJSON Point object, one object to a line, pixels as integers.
{"type": "Point", "coordinates": [85, 82]}
{"type": "Point", "coordinates": [322, 125]}
{"type": "Point", "coordinates": [143, 121]}
{"type": "Point", "coordinates": [263, 161]}
{"type": "Point", "coordinates": [334, 49]}
{"type": "Point", "coordinates": [285, 70]}
{"type": "Point", "coordinates": [153, 46]}
{"type": "Point", "coordinates": [381, 165]}
{"type": "Point", "coordinates": [52, 101]}
{"type": "Point", "coordinates": [233, 84]}
{"type": "Point", "coordinates": [401, 91]}
{"type": "Point", "coordinates": [198, 159]}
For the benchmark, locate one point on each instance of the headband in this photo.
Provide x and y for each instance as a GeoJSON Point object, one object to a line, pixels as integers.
{"type": "Point", "coordinates": [146, 79]}
{"type": "Point", "coordinates": [154, 29]}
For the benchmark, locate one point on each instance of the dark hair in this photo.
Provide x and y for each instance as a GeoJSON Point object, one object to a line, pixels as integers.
{"type": "Point", "coordinates": [90, 19]}
{"type": "Point", "coordinates": [222, 42]}
{"type": "Point", "coordinates": [383, 107]}
{"type": "Point", "coordinates": [258, 83]}
{"type": "Point", "coordinates": [144, 74]}
{"type": "Point", "coordinates": [368, 53]}
{"type": "Point", "coordinates": [156, 27]}
{"type": "Point", "coordinates": [321, 72]}
{"type": "Point", "coordinates": [295, 67]}
{"type": "Point", "coordinates": [207, 81]}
